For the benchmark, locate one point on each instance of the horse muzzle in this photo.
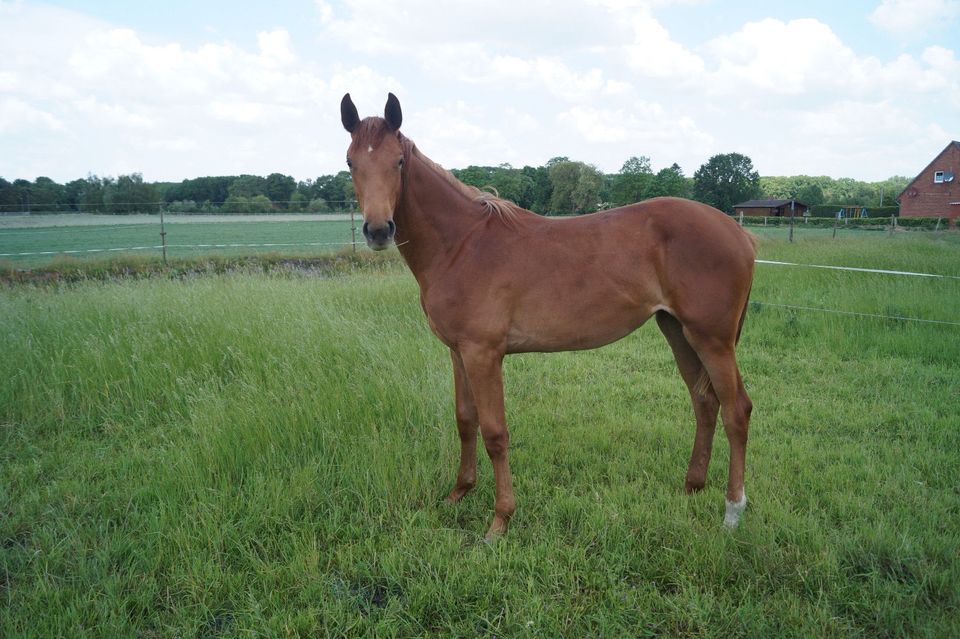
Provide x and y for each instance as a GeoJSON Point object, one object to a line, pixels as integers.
{"type": "Point", "coordinates": [379, 237]}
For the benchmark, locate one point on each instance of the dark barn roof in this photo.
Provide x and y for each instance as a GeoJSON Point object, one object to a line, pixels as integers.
{"type": "Point", "coordinates": [766, 204]}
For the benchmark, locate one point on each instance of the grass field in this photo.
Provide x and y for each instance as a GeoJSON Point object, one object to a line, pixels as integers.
{"type": "Point", "coordinates": [43, 244]}
{"type": "Point", "coordinates": [40, 240]}
{"type": "Point", "coordinates": [257, 455]}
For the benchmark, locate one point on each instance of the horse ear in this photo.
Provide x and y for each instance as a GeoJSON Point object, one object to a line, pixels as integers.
{"type": "Point", "coordinates": [348, 113]}
{"type": "Point", "coordinates": [392, 113]}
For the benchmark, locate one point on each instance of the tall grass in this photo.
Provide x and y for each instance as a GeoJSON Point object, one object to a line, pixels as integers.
{"type": "Point", "coordinates": [253, 454]}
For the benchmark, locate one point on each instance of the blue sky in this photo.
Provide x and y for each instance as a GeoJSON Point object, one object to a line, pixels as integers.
{"type": "Point", "coordinates": [862, 89]}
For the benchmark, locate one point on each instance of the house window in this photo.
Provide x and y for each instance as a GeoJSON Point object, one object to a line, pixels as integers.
{"type": "Point", "coordinates": [938, 177]}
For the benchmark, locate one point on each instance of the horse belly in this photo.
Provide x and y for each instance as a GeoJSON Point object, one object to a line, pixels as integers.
{"type": "Point", "coordinates": [583, 328]}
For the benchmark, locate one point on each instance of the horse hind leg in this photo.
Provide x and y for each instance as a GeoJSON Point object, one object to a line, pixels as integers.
{"type": "Point", "coordinates": [706, 406]}
{"type": "Point", "coordinates": [735, 407]}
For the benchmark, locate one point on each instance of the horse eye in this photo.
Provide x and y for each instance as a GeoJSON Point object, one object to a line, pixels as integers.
{"type": "Point", "coordinates": [400, 163]}
{"type": "Point", "coordinates": [349, 163]}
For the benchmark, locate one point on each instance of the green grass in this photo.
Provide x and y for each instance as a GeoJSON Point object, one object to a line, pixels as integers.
{"type": "Point", "coordinates": [248, 454]}
{"type": "Point", "coordinates": [183, 240]}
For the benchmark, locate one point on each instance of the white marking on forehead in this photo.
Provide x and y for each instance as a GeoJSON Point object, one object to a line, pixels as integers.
{"type": "Point", "coordinates": [369, 149]}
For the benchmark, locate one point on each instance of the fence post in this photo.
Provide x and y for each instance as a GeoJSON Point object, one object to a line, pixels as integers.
{"type": "Point", "coordinates": [741, 218]}
{"type": "Point", "coordinates": [764, 220]}
{"type": "Point", "coordinates": [893, 224]}
{"type": "Point", "coordinates": [835, 218]}
{"type": "Point", "coordinates": [792, 202]}
{"type": "Point", "coordinates": [353, 231]}
{"type": "Point", "coordinates": [938, 224]}
{"type": "Point", "coordinates": [163, 237]}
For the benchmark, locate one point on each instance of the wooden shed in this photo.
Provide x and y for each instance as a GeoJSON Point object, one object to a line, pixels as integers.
{"type": "Point", "coordinates": [770, 208]}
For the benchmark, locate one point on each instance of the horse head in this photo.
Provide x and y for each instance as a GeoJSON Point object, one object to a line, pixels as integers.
{"type": "Point", "coordinates": [375, 158]}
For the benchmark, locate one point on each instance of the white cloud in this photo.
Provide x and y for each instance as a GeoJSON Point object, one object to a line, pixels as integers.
{"type": "Point", "coordinates": [109, 94]}
{"type": "Point", "coordinates": [654, 53]}
{"type": "Point", "coordinates": [912, 19]}
{"type": "Point", "coordinates": [645, 128]}
{"type": "Point", "coordinates": [276, 48]}
{"type": "Point", "coordinates": [789, 58]}
{"type": "Point", "coordinates": [597, 81]}
{"type": "Point", "coordinates": [324, 11]}
{"type": "Point", "coordinates": [15, 115]}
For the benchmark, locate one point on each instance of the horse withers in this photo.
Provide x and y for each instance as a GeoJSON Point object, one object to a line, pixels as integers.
{"type": "Point", "coordinates": [497, 279]}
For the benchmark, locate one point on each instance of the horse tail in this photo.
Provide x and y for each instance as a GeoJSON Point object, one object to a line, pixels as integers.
{"type": "Point", "coordinates": [743, 315]}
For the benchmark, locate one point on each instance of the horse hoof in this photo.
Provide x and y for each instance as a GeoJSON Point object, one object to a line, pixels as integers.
{"type": "Point", "coordinates": [731, 518]}
{"type": "Point", "coordinates": [690, 487]}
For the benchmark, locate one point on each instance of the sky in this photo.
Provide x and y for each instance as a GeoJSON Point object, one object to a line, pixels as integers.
{"type": "Point", "coordinates": [176, 89]}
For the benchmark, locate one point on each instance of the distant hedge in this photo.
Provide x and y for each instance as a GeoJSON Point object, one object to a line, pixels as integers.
{"type": "Point", "coordinates": [830, 210]}
{"type": "Point", "coordinates": [864, 223]}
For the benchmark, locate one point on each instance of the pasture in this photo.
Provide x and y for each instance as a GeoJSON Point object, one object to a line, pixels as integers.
{"type": "Point", "coordinates": [253, 454]}
{"type": "Point", "coordinates": [38, 240]}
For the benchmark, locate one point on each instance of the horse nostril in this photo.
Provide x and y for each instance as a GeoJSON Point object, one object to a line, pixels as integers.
{"type": "Point", "coordinates": [391, 227]}
{"type": "Point", "coordinates": [366, 229]}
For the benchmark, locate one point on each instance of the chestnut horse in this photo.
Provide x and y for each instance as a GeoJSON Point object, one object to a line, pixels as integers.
{"type": "Point", "coordinates": [497, 279]}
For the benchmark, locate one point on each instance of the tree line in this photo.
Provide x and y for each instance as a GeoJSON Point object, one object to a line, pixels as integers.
{"type": "Point", "coordinates": [560, 187]}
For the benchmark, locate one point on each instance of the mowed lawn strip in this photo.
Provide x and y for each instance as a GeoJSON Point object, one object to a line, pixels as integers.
{"type": "Point", "coordinates": [183, 240]}
{"type": "Point", "coordinates": [253, 454]}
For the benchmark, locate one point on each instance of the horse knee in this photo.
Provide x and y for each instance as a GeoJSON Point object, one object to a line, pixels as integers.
{"type": "Point", "coordinates": [496, 442]}
{"type": "Point", "coordinates": [736, 422]}
{"type": "Point", "coordinates": [705, 404]}
{"type": "Point", "coordinates": [467, 423]}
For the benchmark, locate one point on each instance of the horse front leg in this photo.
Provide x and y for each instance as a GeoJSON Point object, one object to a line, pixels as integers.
{"type": "Point", "coordinates": [484, 370]}
{"type": "Point", "coordinates": [467, 425]}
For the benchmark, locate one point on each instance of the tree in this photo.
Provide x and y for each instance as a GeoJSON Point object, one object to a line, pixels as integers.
{"type": "Point", "coordinates": [130, 194]}
{"type": "Point", "coordinates": [540, 190]}
{"type": "Point", "coordinates": [563, 180]}
{"type": "Point", "coordinates": [280, 188]}
{"type": "Point", "coordinates": [9, 201]}
{"type": "Point", "coordinates": [248, 186]}
{"type": "Point", "coordinates": [47, 195]}
{"type": "Point", "coordinates": [237, 204]}
{"type": "Point", "coordinates": [803, 188]}
{"type": "Point", "coordinates": [670, 181]}
{"type": "Point", "coordinates": [726, 180]}
{"type": "Point", "coordinates": [335, 190]}
{"type": "Point", "coordinates": [509, 183]}
{"type": "Point", "coordinates": [586, 195]}
{"type": "Point", "coordinates": [260, 204]}
{"type": "Point", "coordinates": [203, 189]}
{"type": "Point", "coordinates": [298, 202]}
{"type": "Point", "coordinates": [575, 187]}
{"type": "Point", "coordinates": [632, 182]}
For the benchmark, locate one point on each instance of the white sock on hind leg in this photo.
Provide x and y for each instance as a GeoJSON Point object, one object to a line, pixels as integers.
{"type": "Point", "coordinates": [734, 509]}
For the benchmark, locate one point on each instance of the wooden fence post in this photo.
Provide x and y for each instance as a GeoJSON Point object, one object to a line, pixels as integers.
{"type": "Point", "coordinates": [792, 203]}
{"type": "Point", "coordinates": [163, 237]}
{"type": "Point", "coordinates": [353, 231]}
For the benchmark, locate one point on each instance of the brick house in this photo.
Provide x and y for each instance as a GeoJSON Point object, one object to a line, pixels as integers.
{"type": "Point", "coordinates": [936, 191]}
{"type": "Point", "coordinates": [770, 208]}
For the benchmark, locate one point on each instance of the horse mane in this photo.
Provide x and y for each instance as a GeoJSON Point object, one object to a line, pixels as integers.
{"type": "Point", "coordinates": [490, 201]}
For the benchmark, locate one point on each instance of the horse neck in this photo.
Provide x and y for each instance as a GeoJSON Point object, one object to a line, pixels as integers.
{"type": "Point", "coordinates": [433, 217]}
